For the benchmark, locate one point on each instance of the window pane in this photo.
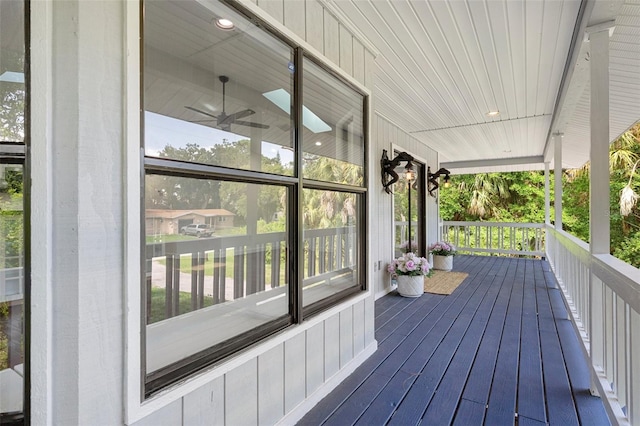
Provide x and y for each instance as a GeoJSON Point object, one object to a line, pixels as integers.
{"type": "Point", "coordinates": [331, 250]}
{"type": "Point", "coordinates": [214, 96]}
{"type": "Point", "coordinates": [11, 288]}
{"type": "Point", "coordinates": [12, 293]}
{"type": "Point", "coordinates": [12, 88]}
{"type": "Point", "coordinates": [333, 135]}
{"type": "Point", "coordinates": [216, 263]}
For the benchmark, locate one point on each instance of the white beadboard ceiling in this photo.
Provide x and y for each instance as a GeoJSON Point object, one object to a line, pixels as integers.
{"type": "Point", "coordinates": [442, 65]}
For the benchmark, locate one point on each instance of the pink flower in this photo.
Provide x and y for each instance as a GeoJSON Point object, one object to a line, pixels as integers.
{"type": "Point", "coordinates": [411, 265]}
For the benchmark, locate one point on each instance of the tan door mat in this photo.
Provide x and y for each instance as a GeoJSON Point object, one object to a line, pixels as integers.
{"type": "Point", "coordinates": [442, 282]}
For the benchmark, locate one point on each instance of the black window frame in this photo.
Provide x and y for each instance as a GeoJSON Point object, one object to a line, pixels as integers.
{"type": "Point", "coordinates": [18, 153]}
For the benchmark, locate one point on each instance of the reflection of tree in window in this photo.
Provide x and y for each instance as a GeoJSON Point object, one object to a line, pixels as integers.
{"type": "Point", "coordinates": [330, 170]}
{"type": "Point", "coordinates": [328, 209]}
{"type": "Point", "coordinates": [171, 192]}
{"type": "Point", "coordinates": [13, 95]}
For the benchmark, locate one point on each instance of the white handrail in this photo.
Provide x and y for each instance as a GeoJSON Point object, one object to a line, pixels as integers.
{"type": "Point", "coordinates": [603, 294]}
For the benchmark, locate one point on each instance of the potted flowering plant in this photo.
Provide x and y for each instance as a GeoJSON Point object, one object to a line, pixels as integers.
{"type": "Point", "coordinates": [410, 270]}
{"type": "Point", "coordinates": [442, 255]}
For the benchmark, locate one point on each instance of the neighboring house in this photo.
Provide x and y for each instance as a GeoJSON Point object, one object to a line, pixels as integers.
{"type": "Point", "coordinates": [171, 221]}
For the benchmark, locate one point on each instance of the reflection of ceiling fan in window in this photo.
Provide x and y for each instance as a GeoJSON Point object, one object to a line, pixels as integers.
{"type": "Point", "coordinates": [224, 121]}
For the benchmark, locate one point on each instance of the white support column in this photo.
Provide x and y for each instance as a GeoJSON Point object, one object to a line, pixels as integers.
{"type": "Point", "coordinates": [599, 225]}
{"type": "Point", "coordinates": [547, 195]}
{"type": "Point", "coordinates": [557, 191]}
{"type": "Point", "coordinates": [599, 185]}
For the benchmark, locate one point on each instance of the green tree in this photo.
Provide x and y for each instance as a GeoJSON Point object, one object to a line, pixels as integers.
{"type": "Point", "coordinates": [175, 192]}
{"type": "Point", "coordinates": [13, 98]}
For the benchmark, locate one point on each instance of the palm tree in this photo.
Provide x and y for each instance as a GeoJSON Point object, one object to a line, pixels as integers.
{"type": "Point", "coordinates": [485, 192]}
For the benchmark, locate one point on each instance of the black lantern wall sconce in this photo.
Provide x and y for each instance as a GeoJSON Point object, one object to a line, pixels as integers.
{"type": "Point", "coordinates": [432, 178]}
{"type": "Point", "coordinates": [389, 175]}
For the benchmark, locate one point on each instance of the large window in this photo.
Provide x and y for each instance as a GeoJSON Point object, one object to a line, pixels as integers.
{"type": "Point", "coordinates": [253, 196]}
{"type": "Point", "coordinates": [13, 312]}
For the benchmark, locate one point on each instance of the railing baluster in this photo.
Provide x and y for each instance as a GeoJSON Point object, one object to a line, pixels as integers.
{"type": "Point", "coordinates": [340, 251]}
{"type": "Point", "coordinates": [223, 274]}
{"type": "Point", "coordinates": [175, 306]}
{"type": "Point", "coordinates": [321, 254]}
{"type": "Point", "coordinates": [275, 264]}
{"type": "Point", "coordinates": [609, 335]}
{"type": "Point", "coordinates": [488, 232]}
{"type": "Point", "coordinates": [149, 284]}
{"type": "Point", "coordinates": [311, 259]}
{"type": "Point", "coordinates": [218, 281]}
{"type": "Point", "coordinates": [621, 327]}
{"type": "Point", "coordinates": [332, 252]}
{"type": "Point", "coordinates": [238, 272]}
{"type": "Point", "coordinates": [194, 281]}
{"type": "Point", "coordinates": [168, 289]}
{"type": "Point", "coordinates": [262, 259]}
{"type": "Point", "coordinates": [201, 262]}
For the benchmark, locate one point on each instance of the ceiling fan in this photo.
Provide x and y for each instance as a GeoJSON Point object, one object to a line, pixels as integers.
{"type": "Point", "coordinates": [224, 121]}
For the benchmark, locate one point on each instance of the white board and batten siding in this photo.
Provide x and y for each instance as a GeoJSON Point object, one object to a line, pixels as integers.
{"type": "Point", "coordinates": [386, 135]}
{"type": "Point", "coordinates": [278, 381]}
{"type": "Point", "coordinates": [322, 30]}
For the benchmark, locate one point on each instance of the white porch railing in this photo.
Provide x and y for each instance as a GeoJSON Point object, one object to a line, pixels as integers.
{"type": "Point", "coordinates": [519, 239]}
{"type": "Point", "coordinates": [603, 294]}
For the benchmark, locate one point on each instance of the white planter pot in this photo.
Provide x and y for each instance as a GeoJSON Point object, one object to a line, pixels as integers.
{"type": "Point", "coordinates": [410, 286]}
{"type": "Point", "coordinates": [443, 263]}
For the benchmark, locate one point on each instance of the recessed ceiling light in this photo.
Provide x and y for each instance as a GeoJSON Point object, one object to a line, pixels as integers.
{"type": "Point", "coordinates": [493, 113]}
{"type": "Point", "coordinates": [225, 24]}
{"type": "Point", "coordinates": [318, 143]}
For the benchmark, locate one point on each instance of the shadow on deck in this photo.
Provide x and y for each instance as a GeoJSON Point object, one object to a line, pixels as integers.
{"type": "Point", "coordinates": [499, 350]}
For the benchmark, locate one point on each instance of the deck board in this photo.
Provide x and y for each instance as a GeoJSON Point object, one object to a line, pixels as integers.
{"type": "Point", "coordinates": [502, 401]}
{"type": "Point", "coordinates": [499, 348]}
{"type": "Point", "coordinates": [530, 381]}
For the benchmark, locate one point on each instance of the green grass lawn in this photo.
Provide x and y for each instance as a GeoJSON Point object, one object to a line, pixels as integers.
{"type": "Point", "coordinates": [158, 304]}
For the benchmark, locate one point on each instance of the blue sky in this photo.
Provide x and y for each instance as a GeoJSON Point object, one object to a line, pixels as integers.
{"type": "Point", "coordinates": [161, 131]}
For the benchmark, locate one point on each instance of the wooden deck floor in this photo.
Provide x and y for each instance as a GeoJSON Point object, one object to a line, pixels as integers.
{"type": "Point", "coordinates": [498, 351]}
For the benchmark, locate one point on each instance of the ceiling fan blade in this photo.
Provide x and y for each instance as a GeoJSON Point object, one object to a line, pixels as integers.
{"type": "Point", "coordinates": [240, 114]}
{"type": "Point", "coordinates": [203, 121]}
{"type": "Point", "coordinates": [201, 112]}
{"type": "Point", "coordinates": [250, 124]}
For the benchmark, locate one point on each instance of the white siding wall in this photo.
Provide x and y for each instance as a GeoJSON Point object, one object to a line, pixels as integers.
{"type": "Point", "coordinates": [79, 211]}
{"type": "Point", "coordinates": [385, 135]}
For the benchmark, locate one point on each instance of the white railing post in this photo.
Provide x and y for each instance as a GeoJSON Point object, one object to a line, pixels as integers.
{"type": "Point", "coordinates": [547, 194]}
{"type": "Point", "coordinates": [557, 191]}
{"type": "Point", "coordinates": [599, 190]}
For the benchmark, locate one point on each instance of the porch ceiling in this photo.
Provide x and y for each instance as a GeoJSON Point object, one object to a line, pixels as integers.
{"type": "Point", "coordinates": [443, 65]}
